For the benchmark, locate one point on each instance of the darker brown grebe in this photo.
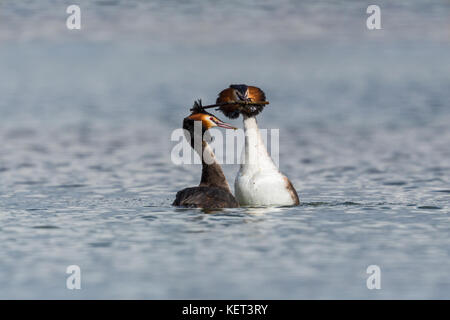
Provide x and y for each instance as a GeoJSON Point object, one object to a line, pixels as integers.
{"type": "Point", "coordinates": [213, 190]}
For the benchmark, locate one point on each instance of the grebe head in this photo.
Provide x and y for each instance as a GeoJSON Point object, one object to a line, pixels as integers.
{"type": "Point", "coordinates": [241, 92]}
{"type": "Point", "coordinates": [209, 121]}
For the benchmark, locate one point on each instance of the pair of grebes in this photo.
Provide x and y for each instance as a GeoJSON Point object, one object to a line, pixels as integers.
{"type": "Point", "coordinates": [259, 181]}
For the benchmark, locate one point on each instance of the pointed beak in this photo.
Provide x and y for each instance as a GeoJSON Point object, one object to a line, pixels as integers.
{"type": "Point", "coordinates": [224, 125]}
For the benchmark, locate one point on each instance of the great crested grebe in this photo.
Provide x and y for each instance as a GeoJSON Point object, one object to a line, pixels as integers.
{"type": "Point", "coordinates": [213, 191]}
{"type": "Point", "coordinates": [259, 182]}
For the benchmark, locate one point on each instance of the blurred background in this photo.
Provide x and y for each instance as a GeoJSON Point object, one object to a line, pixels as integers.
{"type": "Point", "coordinates": [85, 171]}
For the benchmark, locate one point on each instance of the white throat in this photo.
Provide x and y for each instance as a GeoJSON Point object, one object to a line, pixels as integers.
{"type": "Point", "coordinates": [256, 156]}
{"type": "Point", "coordinates": [259, 182]}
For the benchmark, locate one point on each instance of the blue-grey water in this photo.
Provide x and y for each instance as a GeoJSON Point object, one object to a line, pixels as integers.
{"type": "Point", "coordinates": [86, 176]}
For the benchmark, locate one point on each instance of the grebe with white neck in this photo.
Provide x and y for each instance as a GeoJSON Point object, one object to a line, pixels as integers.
{"type": "Point", "coordinates": [259, 182]}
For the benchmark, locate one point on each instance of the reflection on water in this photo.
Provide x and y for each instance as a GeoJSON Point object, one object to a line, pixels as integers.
{"type": "Point", "coordinates": [85, 167]}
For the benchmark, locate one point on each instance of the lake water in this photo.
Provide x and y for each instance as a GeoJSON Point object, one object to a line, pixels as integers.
{"type": "Point", "coordinates": [86, 176]}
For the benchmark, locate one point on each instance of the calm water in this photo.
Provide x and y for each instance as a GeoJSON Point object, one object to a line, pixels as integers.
{"type": "Point", "coordinates": [85, 170]}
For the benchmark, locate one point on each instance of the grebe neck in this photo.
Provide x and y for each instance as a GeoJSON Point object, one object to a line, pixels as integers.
{"type": "Point", "coordinates": [212, 174]}
{"type": "Point", "coordinates": [256, 155]}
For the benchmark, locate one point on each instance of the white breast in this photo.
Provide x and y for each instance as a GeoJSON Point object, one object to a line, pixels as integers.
{"type": "Point", "coordinates": [259, 182]}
